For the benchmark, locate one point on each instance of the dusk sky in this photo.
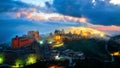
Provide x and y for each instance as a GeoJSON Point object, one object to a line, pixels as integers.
{"type": "Point", "coordinates": [17, 17]}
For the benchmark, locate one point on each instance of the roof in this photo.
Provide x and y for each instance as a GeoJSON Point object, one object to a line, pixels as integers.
{"type": "Point", "coordinates": [25, 37]}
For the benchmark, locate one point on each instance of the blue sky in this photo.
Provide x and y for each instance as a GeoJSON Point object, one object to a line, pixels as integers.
{"type": "Point", "coordinates": [19, 16]}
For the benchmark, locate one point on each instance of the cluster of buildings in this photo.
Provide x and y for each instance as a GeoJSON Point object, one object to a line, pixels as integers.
{"type": "Point", "coordinates": [69, 55]}
{"type": "Point", "coordinates": [25, 40]}
{"type": "Point", "coordinates": [74, 34]}
{"type": "Point", "coordinates": [31, 44]}
{"type": "Point", "coordinates": [60, 35]}
{"type": "Point", "coordinates": [21, 49]}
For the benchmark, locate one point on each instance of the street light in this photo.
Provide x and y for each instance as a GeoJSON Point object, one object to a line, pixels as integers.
{"type": "Point", "coordinates": [41, 42]}
{"type": "Point", "coordinates": [50, 42]}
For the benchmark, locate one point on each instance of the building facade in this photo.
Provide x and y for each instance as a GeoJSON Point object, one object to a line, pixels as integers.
{"type": "Point", "coordinates": [34, 34]}
{"type": "Point", "coordinates": [18, 42]}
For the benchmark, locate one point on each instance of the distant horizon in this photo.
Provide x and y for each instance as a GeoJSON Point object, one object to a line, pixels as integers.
{"type": "Point", "coordinates": [40, 33]}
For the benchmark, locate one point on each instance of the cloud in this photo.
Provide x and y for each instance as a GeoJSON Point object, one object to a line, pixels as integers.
{"type": "Point", "coordinates": [43, 16]}
{"type": "Point", "coordinates": [99, 12]}
{"type": "Point", "coordinates": [12, 5]}
{"type": "Point", "coordinates": [108, 28]}
{"type": "Point", "coordinates": [40, 3]}
{"type": "Point", "coordinates": [116, 2]}
{"type": "Point", "coordinates": [18, 17]}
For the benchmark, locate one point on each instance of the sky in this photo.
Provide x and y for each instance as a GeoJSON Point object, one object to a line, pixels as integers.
{"type": "Point", "coordinates": [17, 17]}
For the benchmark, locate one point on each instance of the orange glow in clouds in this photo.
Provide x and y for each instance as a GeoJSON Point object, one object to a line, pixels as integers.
{"type": "Point", "coordinates": [83, 19]}
{"type": "Point", "coordinates": [40, 16]}
{"type": "Point", "coordinates": [108, 28]}
{"type": "Point", "coordinates": [33, 14]}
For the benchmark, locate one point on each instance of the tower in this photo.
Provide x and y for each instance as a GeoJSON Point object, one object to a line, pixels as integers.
{"type": "Point", "coordinates": [15, 42]}
{"type": "Point", "coordinates": [34, 34]}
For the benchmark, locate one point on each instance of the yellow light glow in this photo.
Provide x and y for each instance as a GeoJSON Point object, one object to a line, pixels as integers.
{"type": "Point", "coordinates": [115, 54]}
{"type": "Point", "coordinates": [2, 58]}
{"type": "Point", "coordinates": [31, 59]}
{"type": "Point", "coordinates": [18, 63]}
{"type": "Point", "coordinates": [58, 45]}
{"type": "Point", "coordinates": [85, 32]}
{"type": "Point", "coordinates": [102, 35]}
{"type": "Point", "coordinates": [57, 37]}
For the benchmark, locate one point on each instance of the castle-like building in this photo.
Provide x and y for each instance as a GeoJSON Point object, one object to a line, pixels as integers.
{"type": "Point", "coordinates": [26, 40]}
{"type": "Point", "coordinates": [34, 34]}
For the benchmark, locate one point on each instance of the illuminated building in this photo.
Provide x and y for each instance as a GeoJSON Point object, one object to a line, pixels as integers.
{"type": "Point", "coordinates": [115, 53]}
{"type": "Point", "coordinates": [57, 38]}
{"type": "Point", "coordinates": [85, 32]}
{"type": "Point", "coordinates": [34, 34]}
{"type": "Point", "coordinates": [58, 41]}
{"type": "Point", "coordinates": [18, 42]}
{"type": "Point", "coordinates": [59, 32]}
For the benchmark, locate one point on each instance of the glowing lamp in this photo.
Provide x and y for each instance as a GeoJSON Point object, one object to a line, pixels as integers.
{"type": "Point", "coordinates": [116, 54]}
{"type": "Point", "coordinates": [57, 57]}
{"type": "Point", "coordinates": [1, 58]}
{"type": "Point", "coordinates": [41, 42]}
{"type": "Point", "coordinates": [50, 42]}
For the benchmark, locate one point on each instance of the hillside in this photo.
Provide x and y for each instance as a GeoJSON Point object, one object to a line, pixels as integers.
{"type": "Point", "coordinates": [114, 44]}
{"type": "Point", "coordinates": [93, 48]}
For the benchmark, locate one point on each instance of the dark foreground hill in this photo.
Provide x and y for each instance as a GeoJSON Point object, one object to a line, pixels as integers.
{"type": "Point", "coordinates": [92, 48]}
{"type": "Point", "coordinates": [114, 44]}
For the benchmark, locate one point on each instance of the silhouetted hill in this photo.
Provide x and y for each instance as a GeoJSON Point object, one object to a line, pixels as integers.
{"type": "Point", "coordinates": [114, 44]}
{"type": "Point", "coordinates": [92, 48]}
